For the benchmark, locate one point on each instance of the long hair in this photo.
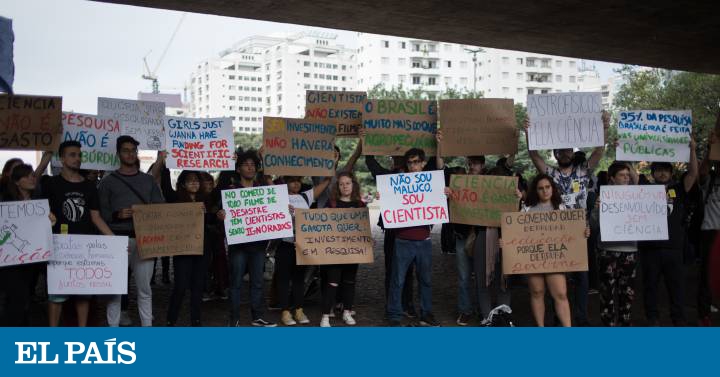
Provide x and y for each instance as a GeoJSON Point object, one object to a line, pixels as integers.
{"type": "Point", "coordinates": [354, 195]}
{"type": "Point", "coordinates": [12, 189]}
{"type": "Point", "coordinates": [183, 196]}
{"type": "Point", "coordinates": [532, 196]}
{"type": "Point", "coordinates": [7, 169]}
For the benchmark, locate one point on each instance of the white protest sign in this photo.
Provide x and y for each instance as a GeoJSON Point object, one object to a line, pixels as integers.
{"type": "Point", "coordinates": [633, 213]}
{"type": "Point", "coordinates": [565, 120]}
{"type": "Point", "coordinates": [88, 265]}
{"type": "Point", "coordinates": [256, 214]}
{"type": "Point", "coordinates": [199, 144]}
{"type": "Point", "coordinates": [413, 199]}
{"type": "Point", "coordinates": [654, 135]}
{"type": "Point", "coordinates": [143, 120]}
{"type": "Point", "coordinates": [25, 232]}
{"type": "Point", "coordinates": [97, 137]}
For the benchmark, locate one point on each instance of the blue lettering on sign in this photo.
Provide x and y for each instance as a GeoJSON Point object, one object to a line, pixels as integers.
{"type": "Point", "coordinates": [405, 184]}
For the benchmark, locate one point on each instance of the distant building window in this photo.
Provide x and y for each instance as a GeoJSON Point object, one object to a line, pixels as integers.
{"type": "Point", "coordinates": [416, 80]}
{"type": "Point", "coordinates": [386, 44]}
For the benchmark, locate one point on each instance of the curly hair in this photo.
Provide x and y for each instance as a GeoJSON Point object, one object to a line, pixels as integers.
{"type": "Point", "coordinates": [532, 196]}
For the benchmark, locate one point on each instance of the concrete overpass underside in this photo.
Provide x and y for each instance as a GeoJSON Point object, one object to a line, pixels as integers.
{"type": "Point", "coordinates": [683, 35]}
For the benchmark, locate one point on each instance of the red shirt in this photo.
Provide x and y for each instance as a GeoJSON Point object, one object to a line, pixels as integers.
{"type": "Point", "coordinates": [413, 233]}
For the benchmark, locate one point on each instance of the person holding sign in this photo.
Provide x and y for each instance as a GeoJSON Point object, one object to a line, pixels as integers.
{"type": "Point", "coordinates": [574, 181]}
{"type": "Point", "coordinates": [665, 258]}
{"type": "Point", "coordinates": [190, 270]}
{"type": "Point", "coordinates": [118, 192]}
{"type": "Point", "coordinates": [345, 194]}
{"type": "Point", "coordinates": [18, 281]}
{"type": "Point", "coordinates": [249, 256]}
{"type": "Point", "coordinates": [710, 185]}
{"type": "Point", "coordinates": [544, 195]}
{"type": "Point", "coordinates": [617, 263]}
{"type": "Point", "coordinates": [412, 245]}
{"type": "Point", "coordinates": [74, 201]}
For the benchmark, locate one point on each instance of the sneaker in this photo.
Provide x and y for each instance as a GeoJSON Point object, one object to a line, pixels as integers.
{"type": "Point", "coordinates": [463, 319]}
{"type": "Point", "coordinates": [705, 322]}
{"type": "Point", "coordinates": [713, 309]}
{"type": "Point", "coordinates": [410, 313]}
{"type": "Point", "coordinates": [347, 318]}
{"type": "Point", "coordinates": [125, 319]}
{"type": "Point", "coordinates": [237, 323]}
{"type": "Point", "coordinates": [207, 297]}
{"type": "Point", "coordinates": [225, 294]}
{"type": "Point", "coordinates": [300, 317]}
{"type": "Point", "coordinates": [429, 321]}
{"type": "Point", "coordinates": [263, 323]}
{"type": "Point", "coordinates": [287, 318]}
{"type": "Point", "coordinates": [325, 321]}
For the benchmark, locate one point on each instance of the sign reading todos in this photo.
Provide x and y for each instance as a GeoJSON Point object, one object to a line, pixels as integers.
{"type": "Point", "coordinates": [544, 242]}
{"type": "Point", "coordinates": [143, 120]}
{"type": "Point", "coordinates": [342, 108]}
{"type": "Point", "coordinates": [97, 137]}
{"type": "Point", "coordinates": [633, 213]}
{"type": "Point", "coordinates": [25, 232]}
{"type": "Point", "coordinates": [565, 120]}
{"type": "Point", "coordinates": [30, 122]}
{"type": "Point", "coordinates": [394, 126]}
{"type": "Point", "coordinates": [298, 147]}
{"type": "Point", "coordinates": [654, 135]}
{"type": "Point", "coordinates": [412, 199]}
{"type": "Point", "coordinates": [205, 143]}
{"type": "Point", "coordinates": [256, 214]}
{"type": "Point", "coordinates": [333, 236]}
{"type": "Point", "coordinates": [169, 229]}
{"type": "Point", "coordinates": [88, 265]}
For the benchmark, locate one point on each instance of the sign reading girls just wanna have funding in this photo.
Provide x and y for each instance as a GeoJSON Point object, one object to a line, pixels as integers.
{"type": "Point", "coordinates": [201, 144]}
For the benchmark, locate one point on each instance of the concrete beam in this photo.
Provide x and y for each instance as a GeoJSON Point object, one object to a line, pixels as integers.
{"type": "Point", "coordinates": [682, 35]}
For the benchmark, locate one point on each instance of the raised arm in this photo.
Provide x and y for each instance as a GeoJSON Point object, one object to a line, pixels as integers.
{"type": "Point", "coordinates": [706, 163]}
{"type": "Point", "coordinates": [440, 162]}
{"type": "Point", "coordinates": [692, 170]}
{"type": "Point", "coordinates": [598, 152]}
{"type": "Point", "coordinates": [320, 187]}
{"type": "Point", "coordinates": [43, 164]}
{"type": "Point", "coordinates": [158, 167]}
{"type": "Point", "coordinates": [353, 158]}
{"type": "Point", "coordinates": [535, 157]}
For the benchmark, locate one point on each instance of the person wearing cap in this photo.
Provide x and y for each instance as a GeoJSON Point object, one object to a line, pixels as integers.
{"type": "Point", "coordinates": [573, 181]}
{"type": "Point", "coordinates": [118, 192]}
{"type": "Point", "coordinates": [665, 258]}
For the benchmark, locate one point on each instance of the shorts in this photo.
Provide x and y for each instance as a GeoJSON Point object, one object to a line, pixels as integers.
{"type": "Point", "coordinates": [59, 299]}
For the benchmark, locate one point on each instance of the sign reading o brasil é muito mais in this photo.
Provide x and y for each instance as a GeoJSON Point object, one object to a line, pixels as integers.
{"type": "Point", "coordinates": [394, 126]}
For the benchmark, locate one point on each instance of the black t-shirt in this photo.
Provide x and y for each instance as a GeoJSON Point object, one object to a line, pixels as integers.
{"type": "Point", "coordinates": [71, 203]}
{"type": "Point", "coordinates": [342, 204]}
{"type": "Point", "coordinates": [677, 205]}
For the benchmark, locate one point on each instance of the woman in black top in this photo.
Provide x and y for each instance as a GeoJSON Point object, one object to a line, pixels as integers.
{"type": "Point", "coordinates": [345, 194]}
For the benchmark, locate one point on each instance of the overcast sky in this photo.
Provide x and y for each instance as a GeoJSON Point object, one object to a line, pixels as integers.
{"type": "Point", "coordinates": [82, 50]}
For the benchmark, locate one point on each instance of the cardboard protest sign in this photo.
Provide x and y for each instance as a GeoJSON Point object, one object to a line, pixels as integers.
{"type": "Point", "coordinates": [344, 109]}
{"type": "Point", "coordinates": [565, 120]}
{"type": "Point", "coordinates": [544, 242]}
{"type": "Point", "coordinates": [169, 229]}
{"type": "Point", "coordinates": [97, 137]}
{"type": "Point", "coordinates": [633, 213]}
{"type": "Point", "coordinates": [412, 199]}
{"type": "Point", "coordinates": [199, 144]}
{"type": "Point", "coordinates": [715, 150]}
{"type": "Point", "coordinates": [654, 135]}
{"type": "Point", "coordinates": [143, 120]}
{"type": "Point", "coordinates": [88, 265]}
{"type": "Point", "coordinates": [25, 232]}
{"type": "Point", "coordinates": [298, 147]}
{"type": "Point", "coordinates": [30, 122]}
{"type": "Point", "coordinates": [473, 127]}
{"type": "Point", "coordinates": [481, 199]}
{"type": "Point", "coordinates": [394, 126]}
{"type": "Point", "coordinates": [333, 236]}
{"type": "Point", "coordinates": [256, 214]}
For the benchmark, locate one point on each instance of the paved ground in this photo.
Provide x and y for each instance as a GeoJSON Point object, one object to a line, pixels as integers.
{"type": "Point", "coordinates": [370, 298]}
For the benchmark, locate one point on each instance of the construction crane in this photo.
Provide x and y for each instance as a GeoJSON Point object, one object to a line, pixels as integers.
{"type": "Point", "coordinates": [152, 75]}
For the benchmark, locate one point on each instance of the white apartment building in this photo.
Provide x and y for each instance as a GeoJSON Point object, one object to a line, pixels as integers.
{"type": "Point", "coordinates": [438, 66]}
{"type": "Point", "coordinates": [268, 75]}
{"type": "Point", "coordinates": [589, 81]}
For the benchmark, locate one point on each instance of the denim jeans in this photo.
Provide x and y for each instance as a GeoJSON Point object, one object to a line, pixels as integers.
{"type": "Point", "coordinates": [407, 252]}
{"type": "Point", "coordinates": [248, 257]}
{"type": "Point", "coordinates": [464, 268]}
